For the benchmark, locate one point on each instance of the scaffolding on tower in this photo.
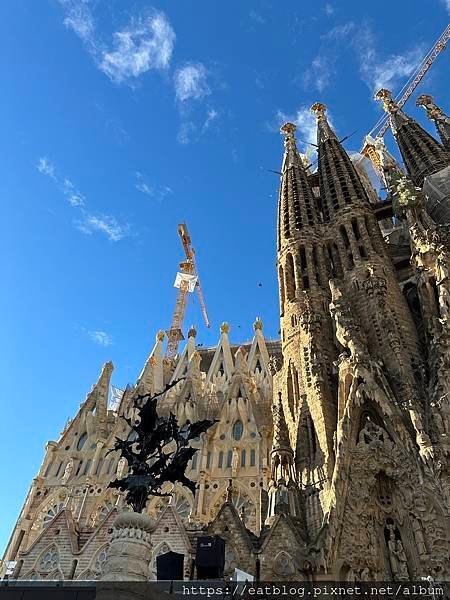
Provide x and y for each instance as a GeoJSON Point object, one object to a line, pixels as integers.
{"type": "Point", "coordinates": [186, 281]}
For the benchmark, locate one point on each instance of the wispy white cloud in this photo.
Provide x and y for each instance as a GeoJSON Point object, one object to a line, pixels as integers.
{"type": "Point", "coordinates": [306, 124]}
{"type": "Point", "coordinates": [191, 132]}
{"type": "Point", "coordinates": [390, 72]}
{"type": "Point", "coordinates": [191, 82]}
{"type": "Point", "coordinates": [101, 338]}
{"type": "Point", "coordinates": [46, 167]}
{"type": "Point", "coordinates": [446, 3]}
{"type": "Point", "coordinates": [88, 222]}
{"type": "Point", "coordinates": [159, 192]}
{"type": "Point", "coordinates": [256, 17]}
{"type": "Point", "coordinates": [146, 43]}
{"type": "Point", "coordinates": [210, 117]}
{"type": "Point", "coordinates": [74, 197]}
{"type": "Point", "coordinates": [320, 73]}
{"type": "Point", "coordinates": [106, 224]}
{"type": "Point", "coordinates": [384, 72]}
{"type": "Point", "coordinates": [339, 31]}
{"type": "Point", "coordinates": [329, 9]}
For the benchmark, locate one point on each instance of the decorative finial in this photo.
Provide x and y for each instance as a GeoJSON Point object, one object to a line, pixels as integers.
{"type": "Point", "coordinates": [230, 491]}
{"type": "Point", "coordinates": [160, 335]}
{"type": "Point", "coordinates": [108, 367]}
{"type": "Point", "coordinates": [192, 332]}
{"type": "Point", "coordinates": [427, 102]}
{"type": "Point", "coordinates": [319, 110]}
{"type": "Point", "coordinates": [424, 100]}
{"type": "Point", "coordinates": [288, 129]}
{"type": "Point", "coordinates": [389, 104]}
{"type": "Point", "coordinates": [224, 328]}
{"type": "Point", "coordinates": [258, 324]}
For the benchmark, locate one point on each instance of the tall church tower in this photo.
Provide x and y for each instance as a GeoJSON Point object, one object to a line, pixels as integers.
{"type": "Point", "coordinates": [353, 379]}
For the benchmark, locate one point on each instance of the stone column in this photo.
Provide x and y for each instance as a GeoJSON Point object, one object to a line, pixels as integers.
{"type": "Point", "coordinates": [128, 558]}
{"type": "Point", "coordinates": [129, 553]}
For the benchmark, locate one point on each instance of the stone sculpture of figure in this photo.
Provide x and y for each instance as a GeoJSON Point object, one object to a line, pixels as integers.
{"type": "Point", "coordinates": [442, 415]}
{"type": "Point", "coordinates": [372, 434]}
{"type": "Point", "coordinates": [397, 557]}
{"type": "Point", "coordinates": [442, 269]}
{"type": "Point", "coordinates": [386, 159]}
{"type": "Point", "coordinates": [68, 470]}
{"type": "Point", "coordinates": [365, 574]}
{"type": "Point", "coordinates": [347, 331]}
{"type": "Point", "coordinates": [235, 460]}
{"type": "Point", "coordinates": [444, 301]}
{"type": "Point", "coordinates": [418, 535]}
{"type": "Point", "coordinates": [121, 468]}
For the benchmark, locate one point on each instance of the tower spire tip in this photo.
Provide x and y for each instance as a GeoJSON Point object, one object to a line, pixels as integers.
{"type": "Point", "coordinates": [385, 96]}
{"type": "Point", "coordinates": [319, 110]}
{"type": "Point", "coordinates": [288, 129]}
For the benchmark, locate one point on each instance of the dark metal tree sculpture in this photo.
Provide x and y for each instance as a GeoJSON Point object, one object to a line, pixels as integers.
{"type": "Point", "coordinates": [158, 454]}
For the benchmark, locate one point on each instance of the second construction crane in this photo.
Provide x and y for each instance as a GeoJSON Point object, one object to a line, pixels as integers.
{"type": "Point", "coordinates": [187, 281]}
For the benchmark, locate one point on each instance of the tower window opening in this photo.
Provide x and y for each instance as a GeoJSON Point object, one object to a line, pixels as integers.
{"type": "Point", "coordinates": [220, 461]}
{"type": "Point", "coordinates": [303, 261]}
{"type": "Point", "coordinates": [81, 441]}
{"type": "Point", "coordinates": [344, 235]}
{"type": "Point", "coordinates": [282, 289]}
{"type": "Point", "coordinates": [362, 252]}
{"type": "Point", "coordinates": [243, 457]}
{"type": "Point", "coordinates": [87, 466]}
{"type": "Point", "coordinates": [208, 460]}
{"type": "Point", "coordinates": [290, 277]}
{"type": "Point", "coordinates": [229, 458]}
{"type": "Point", "coordinates": [355, 228]}
{"type": "Point", "coordinates": [238, 429]}
{"type": "Point", "coordinates": [290, 390]}
{"type": "Point", "coordinates": [252, 458]}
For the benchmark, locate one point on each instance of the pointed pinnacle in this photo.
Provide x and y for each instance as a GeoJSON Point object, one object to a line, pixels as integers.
{"type": "Point", "coordinates": [389, 103]}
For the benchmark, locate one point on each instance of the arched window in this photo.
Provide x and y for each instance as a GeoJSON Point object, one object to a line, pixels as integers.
{"type": "Point", "coordinates": [243, 457]}
{"type": "Point", "coordinates": [290, 277]}
{"type": "Point", "coordinates": [229, 458]}
{"type": "Point", "coordinates": [252, 458]}
{"type": "Point", "coordinates": [82, 441]}
{"type": "Point", "coordinates": [220, 463]}
{"type": "Point", "coordinates": [238, 429]}
{"type": "Point", "coordinates": [282, 292]}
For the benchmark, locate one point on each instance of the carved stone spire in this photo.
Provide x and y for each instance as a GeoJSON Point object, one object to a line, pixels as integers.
{"type": "Point", "coordinates": [436, 114]}
{"type": "Point", "coordinates": [283, 488]}
{"type": "Point", "coordinates": [339, 182]}
{"type": "Point", "coordinates": [280, 430]}
{"type": "Point", "coordinates": [421, 153]}
{"type": "Point", "coordinates": [297, 205]}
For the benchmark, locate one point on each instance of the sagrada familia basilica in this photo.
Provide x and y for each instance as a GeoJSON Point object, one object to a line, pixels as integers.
{"type": "Point", "coordinates": [329, 460]}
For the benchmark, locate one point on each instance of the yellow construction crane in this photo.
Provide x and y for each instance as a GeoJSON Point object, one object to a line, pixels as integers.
{"type": "Point", "coordinates": [383, 124]}
{"type": "Point", "coordinates": [187, 280]}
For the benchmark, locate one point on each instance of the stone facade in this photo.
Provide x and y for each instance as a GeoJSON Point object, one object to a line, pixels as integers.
{"type": "Point", "coordinates": [330, 456]}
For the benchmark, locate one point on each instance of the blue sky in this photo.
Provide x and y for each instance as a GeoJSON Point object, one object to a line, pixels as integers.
{"type": "Point", "coordinates": [120, 120]}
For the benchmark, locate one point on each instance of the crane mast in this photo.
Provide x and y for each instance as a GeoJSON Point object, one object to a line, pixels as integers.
{"type": "Point", "coordinates": [186, 281]}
